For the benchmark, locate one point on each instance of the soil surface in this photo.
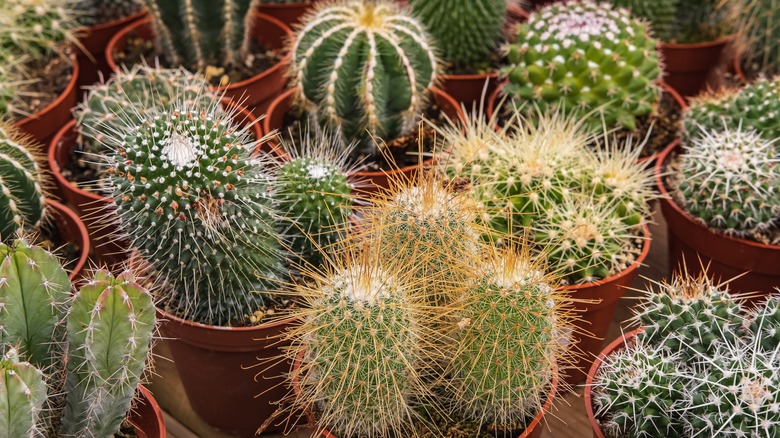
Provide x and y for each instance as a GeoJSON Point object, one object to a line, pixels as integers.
{"type": "Point", "coordinates": [50, 79]}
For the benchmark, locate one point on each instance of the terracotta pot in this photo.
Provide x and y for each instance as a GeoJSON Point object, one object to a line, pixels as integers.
{"type": "Point", "coordinates": [72, 230]}
{"type": "Point", "coordinates": [614, 346]}
{"type": "Point", "coordinates": [146, 416]}
{"type": "Point", "coordinates": [370, 181]}
{"type": "Point", "coordinates": [43, 124]}
{"type": "Point", "coordinates": [288, 13]}
{"type": "Point", "coordinates": [255, 93]}
{"type": "Point", "coordinates": [736, 66]}
{"type": "Point", "coordinates": [94, 40]}
{"type": "Point", "coordinates": [597, 318]}
{"type": "Point", "coordinates": [725, 257]}
{"type": "Point", "coordinates": [692, 68]}
{"type": "Point", "coordinates": [94, 208]}
{"type": "Point", "coordinates": [229, 374]}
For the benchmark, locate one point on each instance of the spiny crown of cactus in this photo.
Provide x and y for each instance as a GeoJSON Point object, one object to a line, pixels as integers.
{"type": "Point", "coordinates": [756, 106]}
{"type": "Point", "coordinates": [586, 57]}
{"type": "Point", "coordinates": [195, 201]}
{"type": "Point", "coordinates": [763, 323]}
{"type": "Point", "coordinates": [466, 32]}
{"type": "Point", "coordinates": [759, 27]}
{"type": "Point", "coordinates": [363, 69]}
{"type": "Point", "coordinates": [730, 181]}
{"type": "Point", "coordinates": [104, 11]}
{"type": "Point", "coordinates": [22, 183]}
{"type": "Point", "coordinates": [638, 392]}
{"type": "Point", "coordinates": [199, 34]}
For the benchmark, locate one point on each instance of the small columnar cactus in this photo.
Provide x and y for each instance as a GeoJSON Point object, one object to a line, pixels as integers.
{"type": "Point", "coordinates": [730, 181]}
{"type": "Point", "coordinates": [363, 68]}
{"type": "Point", "coordinates": [586, 57]}
{"type": "Point", "coordinates": [23, 393]}
{"type": "Point", "coordinates": [466, 32]}
{"type": "Point", "coordinates": [764, 323]}
{"type": "Point", "coordinates": [104, 11]}
{"type": "Point", "coordinates": [21, 183]}
{"type": "Point", "coordinates": [760, 28]}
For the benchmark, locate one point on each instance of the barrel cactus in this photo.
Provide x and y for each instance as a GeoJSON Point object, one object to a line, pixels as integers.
{"type": "Point", "coordinates": [23, 391]}
{"type": "Point", "coordinates": [760, 29]}
{"type": "Point", "coordinates": [104, 11]}
{"type": "Point", "coordinates": [466, 32]}
{"type": "Point", "coordinates": [586, 57]}
{"type": "Point", "coordinates": [22, 183]}
{"type": "Point", "coordinates": [363, 67]}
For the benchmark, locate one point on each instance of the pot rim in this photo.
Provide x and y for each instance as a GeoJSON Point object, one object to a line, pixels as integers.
{"type": "Point", "coordinates": [152, 402]}
{"type": "Point", "coordinates": [219, 328]}
{"type": "Point", "coordinates": [82, 231]}
{"type": "Point", "coordinates": [722, 41]}
{"type": "Point", "coordinates": [60, 98]}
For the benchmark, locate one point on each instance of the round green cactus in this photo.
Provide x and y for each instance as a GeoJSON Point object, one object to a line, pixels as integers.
{"type": "Point", "coordinates": [104, 11]}
{"type": "Point", "coordinates": [23, 393]}
{"type": "Point", "coordinates": [764, 323]}
{"type": "Point", "coordinates": [586, 57]}
{"type": "Point", "coordinates": [730, 181]}
{"type": "Point", "coordinates": [363, 68]}
{"type": "Point", "coordinates": [22, 183]}
{"type": "Point", "coordinates": [465, 31]}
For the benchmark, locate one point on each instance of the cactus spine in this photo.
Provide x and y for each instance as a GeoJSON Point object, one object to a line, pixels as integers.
{"type": "Point", "coordinates": [35, 28]}
{"type": "Point", "coordinates": [363, 66]}
{"type": "Point", "coordinates": [21, 183]}
{"type": "Point", "coordinates": [22, 394]}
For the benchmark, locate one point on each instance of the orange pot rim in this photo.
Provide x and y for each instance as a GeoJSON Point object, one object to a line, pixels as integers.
{"type": "Point", "coordinates": [59, 100]}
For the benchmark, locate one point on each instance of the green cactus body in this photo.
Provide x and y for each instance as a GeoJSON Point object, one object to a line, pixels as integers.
{"type": "Point", "coordinates": [363, 67]}
{"type": "Point", "coordinates": [35, 28]}
{"type": "Point", "coordinates": [638, 392]}
{"type": "Point", "coordinates": [466, 32]}
{"type": "Point", "coordinates": [110, 326]}
{"type": "Point", "coordinates": [764, 323]}
{"type": "Point", "coordinates": [585, 57]}
{"type": "Point", "coordinates": [730, 181]}
{"type": "Point", "coordinates": [13, 80]}
{"type": "Point", "coordinates": [22, 394]}
{"type": "Point", "coordinates": [756, 106]}
{"type": "Point", "coordinates": [21, 184]}
{"type": "Point", "coordinates": [202, 33]}
{"type": "Point", "coordinates": [662, 14]}
{"type": "Point", "coordinates": [34, 289]}
{"type": "Point", "coordinates": [197, 205]}
{"type": "Point", "coordinates": [104, 11]}
{"type": "Point", "coordinates": [760, 27]}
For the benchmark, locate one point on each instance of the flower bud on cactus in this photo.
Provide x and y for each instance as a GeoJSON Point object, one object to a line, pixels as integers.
{"type": "Point", "coordinates": [586, 57]}
{"type": "Point", "coordinates": [760, 28]}
{"type": "Point", "coordinates": [104, 11]}
{"type": "Point", "coordinates": [764, 323]}
{"type": "Point", "coordinates": [363, 68]}
{"type": "Point", "coordinates": [637, 392]}
{"type": "Point", "coordinates": [465, 31]}
{"type": "Point", "coordinates": [22, 394]}
{"type": "Point", "coordinates": [22, 183]}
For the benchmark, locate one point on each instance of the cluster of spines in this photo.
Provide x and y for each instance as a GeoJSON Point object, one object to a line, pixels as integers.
{"type": "Point", "coordinates": [22, 183]}
{"type": "Point", "coordinates": [35, 28]}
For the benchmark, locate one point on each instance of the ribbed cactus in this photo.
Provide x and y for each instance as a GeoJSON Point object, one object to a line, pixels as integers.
{"type": "Point", "coordinates": [195, 201]}
{"type": "Point", "coordinates": [22, 183]}
{"type": "Point", "coordinates": [730, 181]}
{"type": "Point", "coordinates": [465, 31]}
{"type": "Point", "coordinates": [202, 33]}
{"type": "Point", "coordinates": [760, 28]}
{"type": "Point", "coordinates": [22, 395]}
{"type": "Point", "coordinates": [363, 67]}
{"type": "Point", "coordinates": [661, 14]}
{"type": "Point", "coordinates": [682, 21]}
{"type": "Point", "coordinates": [638, 391]}
{"type": "Point", "coordinates": [35, 28]}
{"type": "Point", "coordinates": [104, 11]}
{"type": "Point", "coordinates": [586, 57]}
{"type": "Point", "coordinates": [764, 323]}
{"type": "Point", "coordinates": [755, 106]}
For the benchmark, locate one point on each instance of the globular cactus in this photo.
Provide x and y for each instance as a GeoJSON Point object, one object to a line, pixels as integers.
{"type": "Point", "coordinates": [22, 183]}
{"type": "Point", "coordinates": [586, 57]}
{"type": "Point", "coordinates": [755, 106]}
{"type": "Point", "coordinates": [35, 28]}
{"type": "Point", "coordinates": [466, 32]}
{"type": "Point", "coordinates": [110, 325]}
{"type": "Point", "coordinates": [730, 181]}
{"type": "Point", "coordinates": [760, 29]}
{"type": "Point", "coordinates": [661, 14]}
{"type": "Point", "coordinates": [363, 68]}
{"type": "Point", "coordinates": [638, 392]}
{"type": "Point", "coordinates": [22, 395]}
{"type": "Point", "coordinates": [763, 323]}
{"type": "Point", "coordinates": [104, 11]}
{"type": "Point", "coordinates": [199, 34]}
{"type": "Point", "coordinates": [194, 200]}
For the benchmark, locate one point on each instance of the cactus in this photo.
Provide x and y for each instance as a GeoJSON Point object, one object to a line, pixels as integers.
{"type": "Point", "coordinates": [196, 203]}
{"type": "Point", "coordinates": [465, 31]}
{"type": "Point", "coordinates": [585, 57]}
{"type": "Point", "coordinates": [662, 15]}
{"type": "Point", "coordinates": [730, 181]}
{"type": "Point", "coordinates": [199, 34]}
{"type": "Point", "coordinates": [755, 106]}
{"type": "Point", "coordinates": [104, 11]}
{"type": "Point", "coordinates": [22, 183]}
{"type": "Point", "coordinates": [760, 30]}
{"type": "Point", "coordinates": [690, 21]}
{"type": "Point", "coordinates": [22, 395]}
{"type": "Point", "coordinates": [35, 28]}
{"type": "Point", "coordinates": [363, 67]}
{"type": "Point", "coordinates": [764, 323]}
{"type": "Point", "coordinates": [638, 392]}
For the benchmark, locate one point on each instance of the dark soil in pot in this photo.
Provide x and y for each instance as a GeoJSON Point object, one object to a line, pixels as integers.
{"type": "Point", "coordinates": [51, 77]}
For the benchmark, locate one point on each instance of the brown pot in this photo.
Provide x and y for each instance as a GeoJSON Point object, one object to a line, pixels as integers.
{"type": "Point", "coordinates": [43, 124]}
{"type": "Point", "coordinates": [255, 93]}
{"type": "Point", "coordinates": [93, 40]}
{"type": "Point", "coordinates": [71, 230]}
{"type": "Point", "coordinates": [724, 257]}
{"type": "Point", "coordinates": [596, 314]}
{"type": "Point", "coordinates": [614, 346]}
{"type": "Point", "coordinates": [736, 66]}
{"type": "Point", "coordinates": [230, 374]}
{"type": "Point", "coordinates": [288, 13]}
{"type": "Point", "coordinates": [692, 68]}
{"type": "Point", "coordinates": [370, 181]}
{"type": "Point", "coordinates": [92, 207]}
{"type": "Point", "coordinates": [146, 416]}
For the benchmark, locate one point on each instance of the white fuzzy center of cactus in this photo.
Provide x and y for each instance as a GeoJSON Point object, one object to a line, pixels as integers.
{"type": "Point", "coordinates": [318, 171]}
{"type": "Point", "coordinates": [753, 393]}
{"type": "Point", "coordinates": [732, 160]}
{"type": "Point", "coordinates": [180, 150]}
{"type": "Point", "coordinates": [580, 23]}
{"type": "Point", "coordinates": [363, 285]}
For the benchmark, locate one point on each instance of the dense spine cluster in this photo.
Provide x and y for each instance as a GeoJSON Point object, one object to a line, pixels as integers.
{"type": "Point", "coordinates": [22, 183]}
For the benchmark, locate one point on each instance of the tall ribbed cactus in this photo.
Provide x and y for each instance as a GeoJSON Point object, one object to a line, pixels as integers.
{"type": "Point", "coordinates": [21, 183]}
{"type": "Point", "coordinates": [466, 31]}
{"type": "Point", "coordinates": [201, 33]}
{"type": "Point", "coordinates": [22, 395]}
{"type": "Point", "coordinates": [760, 27]}
{"type": "Point", "coordinates": [363, 67]}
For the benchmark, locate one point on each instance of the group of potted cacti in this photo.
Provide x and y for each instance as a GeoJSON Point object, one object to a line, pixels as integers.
{"type": "Point", "coordinates": [388, 218]}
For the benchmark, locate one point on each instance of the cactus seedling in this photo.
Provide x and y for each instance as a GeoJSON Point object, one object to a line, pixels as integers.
{"type": "Point", "coordinates": [22, 183]}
